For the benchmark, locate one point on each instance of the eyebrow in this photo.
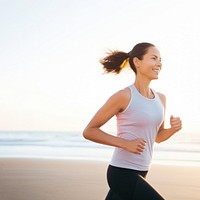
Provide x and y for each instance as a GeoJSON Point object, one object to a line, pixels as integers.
{"type": "Point", "coordinates": [155, 56]}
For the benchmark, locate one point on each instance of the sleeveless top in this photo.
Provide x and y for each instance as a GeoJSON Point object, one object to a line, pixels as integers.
{"type": "Point", "coordinates": [141, 119]}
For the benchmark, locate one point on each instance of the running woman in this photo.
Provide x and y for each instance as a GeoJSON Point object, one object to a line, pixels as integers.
{"type": "Point", "coordinates": [139, 110]}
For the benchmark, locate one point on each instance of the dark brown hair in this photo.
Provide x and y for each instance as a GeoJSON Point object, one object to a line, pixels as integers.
{"type": "Point", "coordinates": [114, 61]}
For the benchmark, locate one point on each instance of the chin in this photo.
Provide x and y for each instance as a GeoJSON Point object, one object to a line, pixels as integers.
{"type": "Point", "coordinates": [155, 78]}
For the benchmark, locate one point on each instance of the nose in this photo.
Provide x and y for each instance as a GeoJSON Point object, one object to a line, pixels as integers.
{"type": "Point", "coordinates": [159, 64]}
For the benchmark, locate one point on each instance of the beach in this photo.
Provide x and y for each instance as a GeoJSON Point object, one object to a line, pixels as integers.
{"type": "Point", "coordinates": [65, 179]}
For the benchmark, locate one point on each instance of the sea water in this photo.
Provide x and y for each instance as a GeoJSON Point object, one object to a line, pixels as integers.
{"type": "Point", "coordinates": [181, 149]}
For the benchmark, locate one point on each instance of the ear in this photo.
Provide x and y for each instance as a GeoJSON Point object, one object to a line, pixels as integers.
{"type": "Point", "coordinates": [136, 62]}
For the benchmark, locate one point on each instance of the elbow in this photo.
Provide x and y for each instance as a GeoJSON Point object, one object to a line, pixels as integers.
{"type": "Point", "coordinates": [89, 133]}
{"type": "Point", "coordinates": [158, 140]}
{"type": "Point", "coordinates": [86, 134]}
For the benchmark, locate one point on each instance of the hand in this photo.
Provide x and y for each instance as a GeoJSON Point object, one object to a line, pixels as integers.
{"type": "Point", "coordinates": [176, 123]}
{"type": "Point", "coordinates": [136, 146]}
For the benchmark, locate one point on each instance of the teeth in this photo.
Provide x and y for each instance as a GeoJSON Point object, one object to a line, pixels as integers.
{"type": "Point", "coordinates": [156, 70]}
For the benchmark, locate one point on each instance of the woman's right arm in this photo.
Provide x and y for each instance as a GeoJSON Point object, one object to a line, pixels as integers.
{"type": "Point", "coordinates": [115, 104]}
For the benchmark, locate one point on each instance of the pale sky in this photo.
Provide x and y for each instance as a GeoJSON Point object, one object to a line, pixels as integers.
{"type": "Point", "coordinates": [51, 78]}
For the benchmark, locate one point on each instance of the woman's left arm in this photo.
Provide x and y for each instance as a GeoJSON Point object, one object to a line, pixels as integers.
{"type": "Point", "coordinates": [175, 123]}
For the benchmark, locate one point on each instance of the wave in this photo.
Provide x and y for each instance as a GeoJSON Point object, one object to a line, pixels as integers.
{"type": "Point", "coordinates": [73, 145]}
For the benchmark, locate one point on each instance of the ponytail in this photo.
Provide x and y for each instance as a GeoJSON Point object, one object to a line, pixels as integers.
{"type": "Point", "coordinates": [115, 61]}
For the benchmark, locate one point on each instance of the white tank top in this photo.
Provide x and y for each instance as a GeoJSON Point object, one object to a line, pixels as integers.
{"type": "Point", "coordinates": [141, 119]}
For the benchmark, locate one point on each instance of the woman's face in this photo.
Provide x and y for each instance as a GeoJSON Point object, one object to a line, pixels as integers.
{"type": "Point", "coordinates": [150, 65]}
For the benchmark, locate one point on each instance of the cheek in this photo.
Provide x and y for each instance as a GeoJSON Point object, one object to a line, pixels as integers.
{"type": "Point", "coordinates": [146, 68]}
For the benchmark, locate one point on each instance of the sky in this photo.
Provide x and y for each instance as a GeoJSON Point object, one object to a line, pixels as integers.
{"type": "Point", "coordinates": [51, 78]}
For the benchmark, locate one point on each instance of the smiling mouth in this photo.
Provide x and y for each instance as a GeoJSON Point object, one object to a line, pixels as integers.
{"type": "Point", "coordinates": [156, 70]}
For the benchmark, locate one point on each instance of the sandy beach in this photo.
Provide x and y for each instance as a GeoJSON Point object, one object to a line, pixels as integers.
{"type": "Point", "coordinates": [59, 179]}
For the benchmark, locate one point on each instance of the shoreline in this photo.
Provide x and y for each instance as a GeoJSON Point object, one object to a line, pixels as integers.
{"type": "Point", "coordinates": [73, 179]}
{"type": "Point", "coordinates": [190, 163]}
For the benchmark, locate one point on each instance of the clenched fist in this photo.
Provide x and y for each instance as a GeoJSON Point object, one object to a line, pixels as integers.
{"type": "Point", "coordinates": [136, 146]}
{"type": "Point", "coordinates": [176, 123]}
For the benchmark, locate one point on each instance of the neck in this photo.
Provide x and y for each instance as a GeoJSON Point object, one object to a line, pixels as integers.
{"type": "Point", "coordinates": [144, 88]}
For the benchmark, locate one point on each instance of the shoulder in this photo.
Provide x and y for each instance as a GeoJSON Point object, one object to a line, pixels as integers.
{"type": "Point", "coordinates": [121, 98]}
{"type": "Point", "coordinates": [162, 98]}
{"type": "Point", "coordinates": [122, 94]}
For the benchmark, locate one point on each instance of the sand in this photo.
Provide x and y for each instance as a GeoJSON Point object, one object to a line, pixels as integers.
{"type": "Point", "coordinates": [59, 179]}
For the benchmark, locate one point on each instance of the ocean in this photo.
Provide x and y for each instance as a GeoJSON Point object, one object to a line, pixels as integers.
{"type": "Point", "coordinates": [180, 149]}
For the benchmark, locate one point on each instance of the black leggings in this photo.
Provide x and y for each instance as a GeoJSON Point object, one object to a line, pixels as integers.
{"type": "Point", "coordinates": [128, 184]}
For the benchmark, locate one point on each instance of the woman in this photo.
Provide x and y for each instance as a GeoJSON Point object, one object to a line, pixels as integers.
{"type": "Point", "coordinates": [140, 122]}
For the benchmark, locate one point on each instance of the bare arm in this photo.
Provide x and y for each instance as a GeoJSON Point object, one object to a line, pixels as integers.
{"type": "Point", "coordinates": [175, 122]}
{"type": "Point", "coordinates": [115, 104]}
